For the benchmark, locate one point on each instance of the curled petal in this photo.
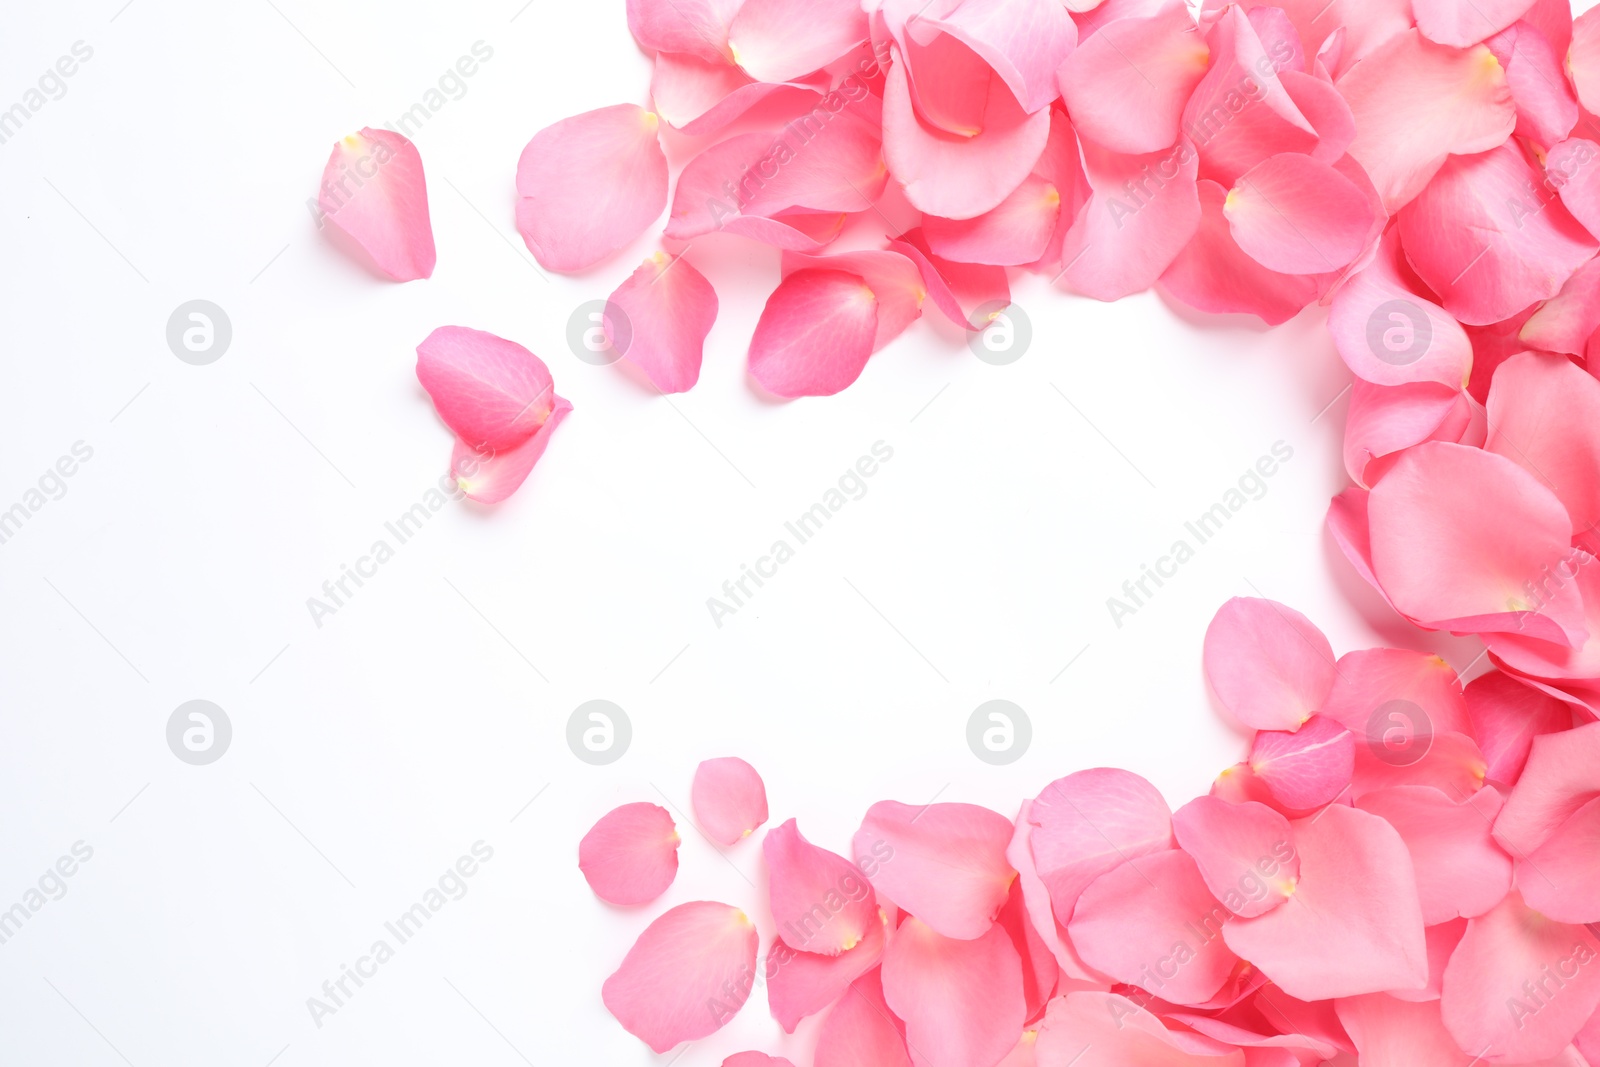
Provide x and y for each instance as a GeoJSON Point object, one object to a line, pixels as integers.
{"type": "Point", "coordinates": [893, 279]}
{"type": "Point", "coordinates": [687, 975]}
{"type": "Point", "coordinates": [1562, 775]}
{"type": "Point", "coordinates": [958, 290]}
{"type": "Point", "coordinates": [815, 334]}
{"type": "Point", "coordinates": [1023, 41]}
{"type": "Point", "coordinates": [1566, 321]}
{"type": "Point", "coordinates": [944, 863]}
{"type": "Point", "coordinates": [800, 984]}
{"type": "Point", "coordinates": [659, 319]}
{"type": "Point", "coordinates": [373, 190]}
{"type": "Point", "coordinates": [490, 477]}
{"type": "Point", "coordinates": [589, 185]}
{"type": "Point", "coordinates": [631, 854]}
{"type": "Point", "coordinates": [1385, 420]}
{"type": "Point", "coordinates": [729, 799]}
{"type": "Point", "coordinates": [1269, 665]}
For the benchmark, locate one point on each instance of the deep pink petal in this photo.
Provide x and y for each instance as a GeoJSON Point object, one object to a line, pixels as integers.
{"type": "Point", "coordinates": [1295, 215]}
{"type": "Point", "coordinates": [729, 799]}
{"type": "Point", "coordinates": [1570, 166]}
{"type": "Point", "coordinates": [861, 1031]}
{"type": "Point", "coordinates": [778, 40]}
{"type": "Point", "coordinates": [1214, 274]}
{"type": "Point", "coordinates": [589, 185]}
{"type": "Point", "coordinates": [1544, 415]}
{"type": "Point", "coordinates": [1385, 420]}
{"type": "Point", "coordinates": [961, 999]}
{"type": "Point", "coordinates": [1416, 103]}
{"type": "Point", "coordinates": [1357, 891]}
{"type": "Point", "coordinates": [1458, 534]}
{"type": "Point", "coordinates": [820, 901]}
{"type": "Point", "coordinates": [1483, 237]}
{"type": "Point", "coordinates": [1244, 851]}
{"type": "Point", "coordinates": [815, 334]}
{"type": "Point", "coordinates": [1090, 822]}
{"type": "Point", "coordinates": [687, 975]}
{"type": "Point", "coordinates": [1153, 923]}
{"type": "Point", "coordinates": [1500, 999]}
{"type": "Point", "coordinates": [1308, 768]}
{"type": "Point", "coordinates": [1268, 664]}
{"type": "Point", "coordinates": [1126, 86]}
{"type": "Point", "coordinates": [490, 477]}
{"type": "Point", "coordinates": [1506, 716]}
{"type": "Point", "coordinates": [944, 863]}
{"type": "Point", "coordinates": [492, 393]}
{"type": "Point", "coordinates": [373, 190]}
{"type": "Point", "coordinates": [1461, 872]}
{"type": "Point", "coordinates": [659, 319]}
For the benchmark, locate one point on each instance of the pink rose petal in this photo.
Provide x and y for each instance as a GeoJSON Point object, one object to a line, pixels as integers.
{"type": "Point", "coordinates": [1127, 85]}
{"type": "Point", "coordinates": [729, 799]}
{"type": "Point", "coordinates": [815, 334]}
{"type": "Point", "coordinates": [820, 901]}
{"type": "Point", "coordinates": [659, 319]}
{"type": "Point", "coordinates": [1091, 822]}
{"type": "Point", "coordinates": [491, 477]}
{"type": "Point", "coordinates": [1295, 215]}
{"type": "Point", "coordinates": [961, 999]}
{"type": "Point", "coordinates": [1245, 852]}
{"type": "Point", "coordinates": [1269, 666]}
{"type": "Point", "coordinates": [861, 1031]}
{"type": "Point", "coordinates": [631, 854]}
{"type": "Point", "coordinates": [373, 190]}
{"type": "Point", "coordinates": [778, 40]}
{"type": "Point", "coordinates": [944, 863]}
{"type": "Point", "coordinates": [1461, 872]}
{"type": "Point", "coordinates": [492, 393]}
{"type": "Point", "coordinates": [1308, 768]}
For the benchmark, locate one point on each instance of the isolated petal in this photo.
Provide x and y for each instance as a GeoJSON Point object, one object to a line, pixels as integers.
{"type": "Point", "coordinates": [948, 865]}
{"type": "Point", "coordinates": [1308, 768]}
{"type": "Point", "coordinates": [589, 185]}
{"type": "Point", "coordinates": [1506, 716]}
{"type": "Point", "coordinates": [1416, 103]}
{"type": "Point", "coordinates": [1126, 86]}
{"type": "Point", "coordinates": [1295, 215]}
{"type": "Point", "coordinates": [961, 999]}
{"type": "Point", "coordinates": [687, 975]}
{"type": "Point", "coordinates": [1558, 879]}
{"type": "Point", "coordinates": [373, 190]}
{"type": "Point", "coordinates": [820, 901]}
{"type": "Point", "coordinates": [1499, 993]}
{"type": "Point", "coordinates": [668, 308]}
{"type": "Point", "coordinates": [490, 477]}
{"type": "Point", "coordinates": [777, 40]}
{"type": "Point", "coordinates": [815, 334]}
{"type": "Point", "coordinates": [861, 1031]}
{"type": "Point", "coordinates": [1153, 923]}
{"type": "Point", "coordinates": [1214, 274]}
{"type": "Point", "coordinates": [631, 854]}
{"type": "Point", "coordinates": [1245, 852]}
{"type": "Point", "coordinates": [1544, 415]}
{"type": "Point", "coordinates": [1461, 872]}
{"type": "Point", "coordinates": [729, 799]}
{"type": "Point", "coordinates": [1090, 822]}
{"type": "Point", "coordinates": [1269, 665]}
{"type": "Point", "coordinates": [1357, 891]}
{"type": "Point", "coordinates": [492, 393]}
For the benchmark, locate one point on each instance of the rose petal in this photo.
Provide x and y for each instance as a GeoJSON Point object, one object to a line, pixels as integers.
{"type": "Point", "coordinates": [1090, 822]}
{"type": "Point", "coordinates": [956, 289]}
{"type": "Point", "coordinates": [820, 901]}
{"type": "Point", "coordinates": [1461, 25]}
{"type": "Point", "coordinates": [491, 477]}
{"type": "Point", "coordinates": [961, 999]}
{"type": "Point", "coordinates": [1308, 768]}
{"type": "Point", "coordinates": [695, 27]}
{"type": "Point", "coordinates": [777, 40]}
{"type": "Point", "coordinates": [729, 799]}
{"type": "Point", "coordinates": [1295, 215]}
{"type": "Point", "coordinates": [1461, 872]}
{"type": "Point", "coordinates": [800, 984]}
{"type": "Point", "coordinates": [373, 190]}
{"type": "Point", "coordinates": [945, 863]}
{"type": "Point", "coordinates": [1506, 717]}
{"type": "Point", "coordinates": [1558, 880]}
{"type": "Point", "coordinates": [1015, 233]}
{"type": "Point", "coordinates": [631, 854]}
{"type": "Point", "coordinates": [659, 319]}
{"type": "Point", "coordinates": [1562, 775]}
{"type": "Point", "coordinates": [1544, 415]}
{"type": "Point", "coordinates": [1100, 1029]}
{"type": "Point", "coordinates": [861, 1032]}
{"type": "Point", "coordinates": [1245, 852]}
{"type": "Point", "coordinates": [1270, 667]}
{"type": "Point", "coordinates": [815, 334]}
{"type": "Point", "coordinates": [1127, 85]}
{"type": "Point", "coordinates": [492, 393]}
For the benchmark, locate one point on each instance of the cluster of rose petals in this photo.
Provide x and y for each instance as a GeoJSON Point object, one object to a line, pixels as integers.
{"type": "Point", "coordinates": [1403, 871]}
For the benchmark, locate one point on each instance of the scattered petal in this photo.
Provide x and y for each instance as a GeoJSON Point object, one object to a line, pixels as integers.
{"type": "Point", "coordinates": [729, 799]}
{"type": "Point", "coordinates": [631, 854]}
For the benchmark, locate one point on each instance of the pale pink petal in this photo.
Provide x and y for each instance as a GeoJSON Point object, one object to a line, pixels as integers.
{"type": "Point", "coordinates": [1570, 166]}
{"type": "Point", "coordinates": [800, 984]}
{"type": "Point", "coordinates": [492, 393]}
{"type": "Point", "coordinates": [589, 185]}
{"type": "Point", "coordinates": [1015, 233]}
{"type": "Point", "coordinates": [1416, 103]}
{"type": "Point", "coordinates": [1461, 872]}
{"type": "Point", "coordinates": [1500, 991]}
{"type": "Point", "coordinates": [1143, 212]}
{"type": "Point", "coordinates": [1295, 215]}
{"type": "Point", "coordinates": [947, 864]}
{"type": "Point", "coordinates": [659, 319]}
{"type": "Point", "coordinates": [1544, 415]}
{"type": "Point", "coordinates": [708, 195]}
{"type": "Point", "coordinates": [820, 902]}
{"type": "Point", "coordinates": [961, 999]}
{"type": "Point", "coordinates": [1090, 822]}
{"type": "Point", "coordinates": [956, 289]}
{"type": "Point", "coordinates": [955, 176]}
{"type": "Point", "coordinates": [687, 975]}
{"type": "Point", "coordinates": [861, 1031]}
{"type": "Point", "coordinates": [1096, 1029]}
{"type": "Point", "coordinates": [1506, 716]}
{"type": "Point", "coordinates": [1319, 102]}
{"type": "Point", "coordinates": [1153, 923]}
{"type": "Point", "coordinates": [1372, 683]}
{"type": "Point", "coordinates": [1547, 107]}
{"type": "Point", "coordinates": [1390, 334]}
{"type": "Point", "coordinates": [1560, 878]}
{"type": "Point", "coordinates": [1214, 274]}
{"type": "Point", "coordinates": [1390, 1032]}
{"type": "Point", "coordinates": [1268, 664]}
{"type": "Point", "coordinates": [1482, 237]}
{"type": "Point", "coordinates": [895, 282]}
{"type": "Point", "coordinates": [1357, 891]}
{"type": "Point", "coordinates": [1024, 41]}
{"type": "Point", "coordinates": [777, 40]}
{"type": "Point", "coordinates": [815, 334]}
{"type": "Point", "coordinates": [1457, 535]}
{"type": "Point", "coordinates": [1126, 86]}
{"type": "Point", "coordinates": [1308, 768]}
{"type": "Point", "coordinates": [1562, 775]}
{"type": "Point", "coordinates": [694, 27]}
{"type": "Point", "coordinates": [1576, 576]}
{"type": "Point", "coordinates": [373, 191]}
{"type": "Point", "coordinates": [701, 96]}
{"type": "Point", "coordinates": [795, 232]}
{"type": "Point", "coordinates": [1245, 852]}
{"type": "Point", "coordinates": [1583, 59]}
{"type": "Point", "coordinates": [729, 799]}
{"type": "Point", "coordinates": [631, 855]}
{"type": "Point", "coordinates": [826, 161]}
{"type": "Point", "coordinates": [755, 1059]}
{"type": "Point", "coordinates": [490, 477]}
{"type": "Point", "coordinates": [1463, 24]}
{"type": "Point", "coordinates": [1566, 321]}
{"type": "Point", "coordinates": [1036, 898]}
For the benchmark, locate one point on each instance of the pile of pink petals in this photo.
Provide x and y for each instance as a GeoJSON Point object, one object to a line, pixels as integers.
{"type": "Point", "coordinates": [1403, 873]}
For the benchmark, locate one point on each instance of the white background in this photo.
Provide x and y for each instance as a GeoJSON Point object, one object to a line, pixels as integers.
{"type": "Point", "coordinates": [369, 754]}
